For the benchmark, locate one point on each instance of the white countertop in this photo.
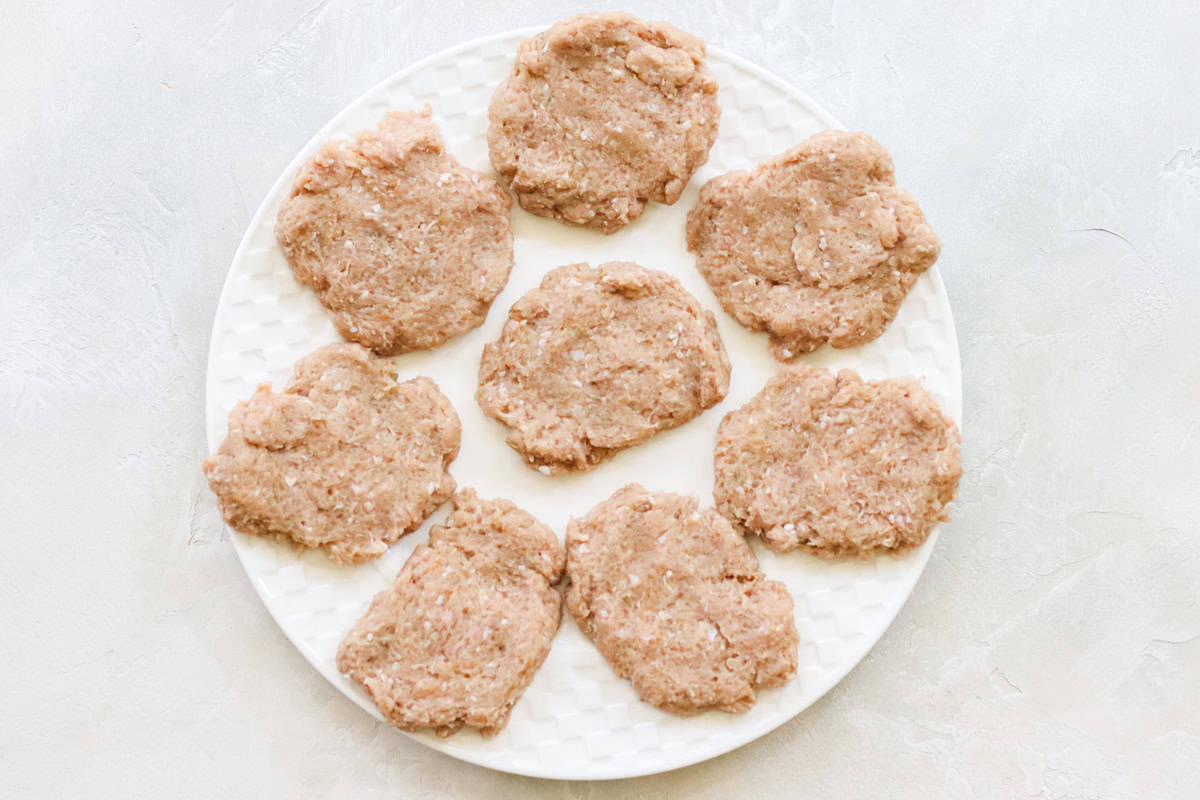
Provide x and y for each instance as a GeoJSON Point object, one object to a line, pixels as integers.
{"type": "Point", "coordinates": [1052, 648]}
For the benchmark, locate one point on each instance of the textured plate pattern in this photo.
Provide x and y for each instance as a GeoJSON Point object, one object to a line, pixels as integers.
{"type": "Point", "coordinates": [577, 720]}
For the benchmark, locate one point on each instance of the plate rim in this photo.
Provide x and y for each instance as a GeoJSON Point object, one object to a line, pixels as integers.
{"type": "Point", "coordinates": [445, 746]}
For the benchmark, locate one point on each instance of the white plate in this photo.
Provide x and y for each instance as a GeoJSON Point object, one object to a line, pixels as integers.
{"type": "Point", "coordinates": [577, 720]}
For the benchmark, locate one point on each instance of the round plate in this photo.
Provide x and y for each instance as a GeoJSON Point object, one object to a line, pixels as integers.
{"type": "Point", "coordinates": [576, 720]}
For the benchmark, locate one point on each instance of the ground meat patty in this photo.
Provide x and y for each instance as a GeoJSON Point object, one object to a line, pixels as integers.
{"type": "Point", "coordinates": [469, 620]}
{"type": "Point", "coordinates": [837, 465]}
{"type": "Point", "coordinates": [597, 359]}
{"type": "Point", "coordinates": [344, 458]}
{"type": "Point", "coordinates": [402, 244]}
{"type": "Point", "coordinates": [815, 245]}
{"type": "Point", "coordinates": [673, 597]}
{"type": "Point", "coordinates": [602, 113]}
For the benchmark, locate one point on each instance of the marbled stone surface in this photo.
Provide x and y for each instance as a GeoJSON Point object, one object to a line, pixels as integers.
{"type": "Point", "coordinates": [1052, 648]}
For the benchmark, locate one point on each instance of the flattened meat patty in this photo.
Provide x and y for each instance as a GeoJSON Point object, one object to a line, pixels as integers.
{"type": "Point", "coordinates": [602, 113]}
{"type": "Point", "coordinates": [344, 458]}
{"type": "Point", "coordinates": [402, 244]}
{"type": "Point", "coordinates": [597, 359]}
{"type": "Point", "coordinates": [815, 245]}
{"type": "Point", "coordinates": [837, 465]}
{"type": "Point", "coordinates": [673, 597]}
{"type": "Point", "coordinates": [459, 636]}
